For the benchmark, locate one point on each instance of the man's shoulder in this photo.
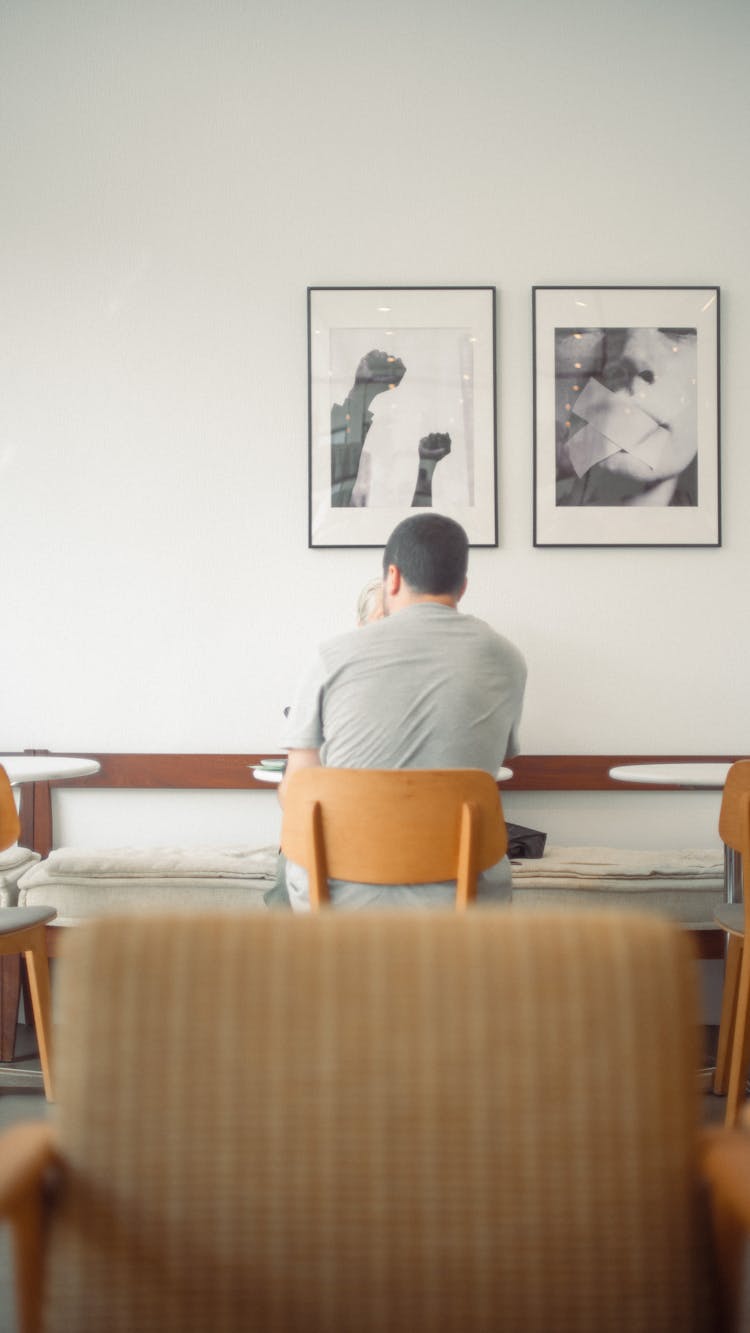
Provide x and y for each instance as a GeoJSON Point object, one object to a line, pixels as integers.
{"type": "Point", "coordinates": [430, 624]}
{"type": "Point", "coordinates": [496, 642]}
{"type": "Point", "coordinates": [342, 646]}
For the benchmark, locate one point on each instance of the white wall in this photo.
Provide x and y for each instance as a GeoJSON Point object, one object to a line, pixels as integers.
{"type": "Point", "coordinates": [174, 175]}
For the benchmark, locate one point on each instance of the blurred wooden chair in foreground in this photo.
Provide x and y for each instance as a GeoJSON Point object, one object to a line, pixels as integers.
{"type": "Point", "coordinates": [22, 930]}
{"type": "Point", "coordinates": [418, 1122]}
{"type": "Point", "coordinates": [386, 826]}
{"type": "Point", "coordinates": [733, 1053]}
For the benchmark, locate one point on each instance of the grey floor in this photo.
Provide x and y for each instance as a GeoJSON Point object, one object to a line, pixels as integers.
{"type": "Point", "coordinates": [22, 1098]}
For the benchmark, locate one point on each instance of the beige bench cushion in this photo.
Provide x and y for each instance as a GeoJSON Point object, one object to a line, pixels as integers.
{"type": "Point", "coordinates": [82, 882]}
{"type": "Point", "coordinates": [14, 861]}
{"type": "Point", "coordinates": [685, 884]}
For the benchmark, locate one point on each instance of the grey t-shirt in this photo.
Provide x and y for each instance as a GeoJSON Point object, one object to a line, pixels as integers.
{"type": "Point", "coordinates": [426, 687]}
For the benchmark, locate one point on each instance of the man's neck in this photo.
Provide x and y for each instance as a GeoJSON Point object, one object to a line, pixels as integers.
{"type": "Point", "coordinates": [398, 594]}
{"type": "Point", "coordinates": [443, 599]}
{"type": "Point", "coordinates": [405, 600]}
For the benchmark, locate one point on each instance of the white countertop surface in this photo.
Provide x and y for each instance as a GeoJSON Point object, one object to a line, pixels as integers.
{"type": "Point", "coordinates": [46, 767]}
{"type": "Point", "coordinates": [275, 775]}
{"type": "Point", "coordinates": [683, 774]}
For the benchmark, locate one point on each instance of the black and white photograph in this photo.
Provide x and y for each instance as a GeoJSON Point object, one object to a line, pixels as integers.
{"type": "Point", "coordinates": [626, 416]}
{"type": "Point", "coordinates": [401, 410]}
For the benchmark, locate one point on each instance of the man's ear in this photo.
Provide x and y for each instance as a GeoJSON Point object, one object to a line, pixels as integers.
{"type": "Point", "coordinates": [463, 590]}
{"type": "Point", "coordinates": [392, 580]}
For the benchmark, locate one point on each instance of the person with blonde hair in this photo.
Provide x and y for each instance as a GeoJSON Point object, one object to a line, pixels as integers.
{"type": "Point", "coordinates": [369, 608]}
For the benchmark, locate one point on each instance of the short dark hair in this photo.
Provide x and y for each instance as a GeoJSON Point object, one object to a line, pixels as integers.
{"type": "Point", "coordinates": [430, 551]}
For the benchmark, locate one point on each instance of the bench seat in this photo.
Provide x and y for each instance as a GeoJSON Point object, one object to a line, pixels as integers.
{"type": "Point", "coordinates": [14, 862]}
{"type": "Point", "coordinates": [684, 884]}
{"type": "Point", "coordinates": [95, 882]}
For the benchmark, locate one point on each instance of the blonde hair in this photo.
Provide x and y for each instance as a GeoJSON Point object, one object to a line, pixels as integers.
{"type": "Point", "coordinates": [370, 602]}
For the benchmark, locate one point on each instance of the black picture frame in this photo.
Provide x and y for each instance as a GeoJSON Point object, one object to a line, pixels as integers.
{"type": "Point", "coordinates": [401, 410]}
{"type": "Point", "coordinates": [626, 416]}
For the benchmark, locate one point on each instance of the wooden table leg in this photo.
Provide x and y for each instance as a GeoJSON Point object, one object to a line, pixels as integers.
{"type": "Point", "coordinates": [10, 990]}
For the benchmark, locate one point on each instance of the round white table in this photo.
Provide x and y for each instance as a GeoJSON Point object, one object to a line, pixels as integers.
{"type": "Point", "coordinates": [685, 774]}
{"type": "Point", "coordinates": [46, 767]}
{"type": "Point", "coordinates": [266, 773]}
{"type": "Point", "coordinates": [269, 774]}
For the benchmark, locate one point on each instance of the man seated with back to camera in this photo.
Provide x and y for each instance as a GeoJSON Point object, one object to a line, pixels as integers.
{"type": "Point", "coordinates": [424, 687]}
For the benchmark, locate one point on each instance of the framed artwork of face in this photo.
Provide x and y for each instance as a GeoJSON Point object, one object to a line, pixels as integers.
{"type": "Point", "coordinates": [626, 416]}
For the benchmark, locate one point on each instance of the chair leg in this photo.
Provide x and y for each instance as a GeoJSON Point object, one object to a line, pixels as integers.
{"type": "Point", "coordinates": [740, 1045]}
{"type": "Point", "coordinates": [728, 1012]}
{"type": "Point", "coordinates": [41, 1003]}
{"type": "Point", "coordinates": [28, 1252]}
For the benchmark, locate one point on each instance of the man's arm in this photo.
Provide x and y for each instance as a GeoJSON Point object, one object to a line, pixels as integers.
{"type": "Point", "coordinates": [297, 759]}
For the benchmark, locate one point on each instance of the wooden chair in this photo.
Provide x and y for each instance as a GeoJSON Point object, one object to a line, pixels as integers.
{"type": "Point", "coordinates": [405, 1122]}
{"type": "Point", "coordinates": [22, 930]}
{"type": "Point", "coordinates": [733, 1052]}
{"type": "Point", "coordinates": [404, 826]}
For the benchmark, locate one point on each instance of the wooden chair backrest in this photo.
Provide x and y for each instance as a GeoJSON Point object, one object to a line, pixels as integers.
{"type": "Point", "coordinates": [405, 826]}
{"type": "Point", "coordinates": [9, 823]}
{"type": "Point", "coordinates": [421, 1125]}
{"type": "Point", "coordinates": [734, 817]}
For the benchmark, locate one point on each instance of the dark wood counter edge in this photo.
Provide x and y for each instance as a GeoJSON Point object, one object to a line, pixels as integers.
{"type": "Point", "coordinates": [233, 772]}
{"type": "Point", "coordinates": [590, 772]}
{"type": "Point", "coordinates": [531, 772]}
{"type": "Point", "coordinates": [193, 771]}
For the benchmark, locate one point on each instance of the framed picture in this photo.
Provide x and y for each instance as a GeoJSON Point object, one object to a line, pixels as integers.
{"type": "Point", "coordinates": [626, 416]}
{"type": "Point", "coordinates": [401, 410]}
